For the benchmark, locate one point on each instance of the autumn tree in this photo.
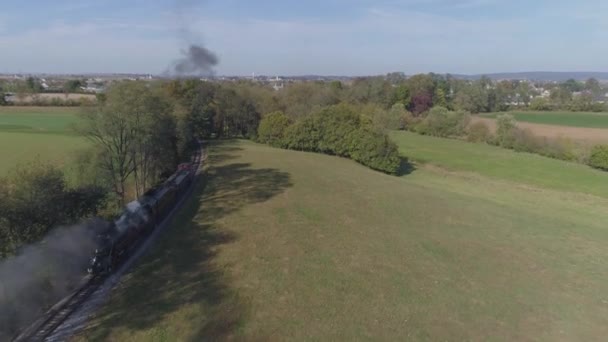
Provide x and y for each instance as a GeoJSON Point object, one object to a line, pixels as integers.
{"type": "Point", "coordinates": [133, 134]}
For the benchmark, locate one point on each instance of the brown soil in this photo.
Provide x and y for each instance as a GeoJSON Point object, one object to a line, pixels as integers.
{"type": "Point", "coordinates": [581, 134]}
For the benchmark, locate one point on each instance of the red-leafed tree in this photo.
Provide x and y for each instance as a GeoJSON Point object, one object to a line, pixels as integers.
{"type": "Point", "coordinates": [421, 102]}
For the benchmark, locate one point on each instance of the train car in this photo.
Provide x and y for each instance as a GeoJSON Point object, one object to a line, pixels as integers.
{"type": "Point", "coordinates": [181, 182]}
{"type": "Point", "coordinates": [159, 202]}
{"type": "Point", "coordinates": [138, 220]}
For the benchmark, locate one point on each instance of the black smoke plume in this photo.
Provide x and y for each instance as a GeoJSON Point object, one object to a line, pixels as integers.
{"type": "Point", "coordinates": [42, 274]}
{"type": "Point", "coordinates": [196, 58]}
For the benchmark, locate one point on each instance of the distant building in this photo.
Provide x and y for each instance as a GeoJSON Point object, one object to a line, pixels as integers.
{"type": "Point", "coordinates": [277, 83]}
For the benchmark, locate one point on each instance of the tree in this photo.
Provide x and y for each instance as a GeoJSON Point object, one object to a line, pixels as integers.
{"type": "Point", "coordinates": [33, 86]}
{"type": "Point", "coordinates": [111, 132]}
{"type": "Point", "coordinates": [599, 157]}
{"type": "Point", "coordinates": [523, 92]}
{"type": "Point", "coordinates": [385, 119]}
{"type": "Point", "coordinates": [35, 198]}
{"type": "Point", "coordinates": [72, 86]}
{"type": "Point", "coordinates": [395, 77]}
{"type": "Point", "coordinates": [421, 83]}
{"type": "Point", "coordinates": [272, 129]}
{"type": "Point", "coordinates": [396, 117]}
{"type": "Point", "coordinates": [581, 102]}
{"type": "Point", "coordinates": [572, 86]}
{"type": "Point", "coordinates": [371, 90]}
{"type": "Point", "coordinates": [133, 134]}
{"type": "Point", "coordinates": [235, 116]}
{"type": "Point", "coordinates": [439, 98]}
{"type": "Point", "coordinates": [442, 122]}
{"type": "Point", "coordinates": [540, 103]}
{"type": "Point", "coordinates": [505, 128]}
{"type": "Point", "coordinates": [421, 102]}
{"type": "Point", "coordinates": [561, 97]}
{"type": "Point", "coordinates": [592, 85]}
{"type": "Point", "coordinates": [401, 95]}
{"type": "Point", "coordinates": [472, 98]}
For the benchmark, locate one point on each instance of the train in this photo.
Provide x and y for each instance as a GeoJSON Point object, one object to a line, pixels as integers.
{"type": "Point", "coordinates": [140, 217]}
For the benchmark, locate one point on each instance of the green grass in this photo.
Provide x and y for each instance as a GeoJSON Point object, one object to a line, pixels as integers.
{"type": "Point", "coordinates": [44, 133]}
{"type": "Point", "coordinates": [37, 119]}
{"type": "Point", "coordinates": [284, 245]}
{"type": "Point", "coordinates": [499, 163]}
{"type": "Point", "coordinates": [573, 119]}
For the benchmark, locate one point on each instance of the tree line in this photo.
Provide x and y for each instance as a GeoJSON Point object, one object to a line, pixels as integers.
{"type": "Point", "coordinates": [138, 133]}
{"type": "Point", "coordinates": [419, 93]}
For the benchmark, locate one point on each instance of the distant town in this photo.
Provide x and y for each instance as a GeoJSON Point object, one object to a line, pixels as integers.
{"type": "Point", "coordinates": [78, 89]}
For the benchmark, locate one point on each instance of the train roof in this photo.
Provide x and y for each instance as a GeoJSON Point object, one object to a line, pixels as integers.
{"type": "Point", "coordinates": [180, 177]}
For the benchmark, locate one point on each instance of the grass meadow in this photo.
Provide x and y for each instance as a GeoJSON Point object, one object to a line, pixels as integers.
{"type": "Point", "coordinates": [474, 243]}
{"type": "Point", "coordinates": [28, 133]}
{"type": "Point", "coordinates": [498, 163]}
{"type": "Point", "coordinates": [572, 119]}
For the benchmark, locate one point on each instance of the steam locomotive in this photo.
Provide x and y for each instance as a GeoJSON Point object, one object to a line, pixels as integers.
{"type": "Point", "coordinates": [138, 220]}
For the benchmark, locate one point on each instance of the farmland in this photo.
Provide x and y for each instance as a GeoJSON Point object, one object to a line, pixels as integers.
{"type": "Point", "coordinates": [279, 244]}
{"type": "Point", "coordinates": [571, 119]}
{"type": "Point", "coordinates": [36, 132]}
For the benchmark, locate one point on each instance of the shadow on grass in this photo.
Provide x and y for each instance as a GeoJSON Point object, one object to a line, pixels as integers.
{"type": "Point", "coordinates": [405, 167]}
{"type": "Point", "coordinates": [179, 283]}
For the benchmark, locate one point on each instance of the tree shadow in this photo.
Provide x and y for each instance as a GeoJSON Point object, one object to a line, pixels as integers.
{"type": "Point", "coordinates": [180, 271]}
{"type": "Point", "coordinates": [228, 151]}
{"type": "Point", "coordinates": [405, 167]}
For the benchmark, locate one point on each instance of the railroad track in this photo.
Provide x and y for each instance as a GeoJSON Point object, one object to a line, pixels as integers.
{"type": "Point", "coordinates": [45, 326]}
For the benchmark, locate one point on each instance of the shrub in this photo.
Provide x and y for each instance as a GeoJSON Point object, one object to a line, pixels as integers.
{"type": "Point", "coordinates": [479, 132]}
{"type": "Point", "coordinates": [524, 140]}
{"type": "Point", "coordinates": [302, 136]}
{"type": "Point", "coordinates": [409, 121]}
{"type": "Point", "coordinates": [338, 130]}
{"type": "Point", "coordinates": [444, 123]}
{"type": "Point", "coordinates": [540, 103]}
{"type": "Point", "coordinates": [505, 127]}
{"type": "Point", "coordinates": [560, 148]}
{"type": "Point", "coordinates": [272, 129]}
{"type": "Point", "coordinates": [394, 118]}
{"type": "Point", "coordinates": [375, 150]}
{"type": "Point", "coordinates": [599, 157]}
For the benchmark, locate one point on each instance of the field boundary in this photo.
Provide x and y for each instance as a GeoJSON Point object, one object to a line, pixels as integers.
{"type": "Point", "coordinates": [579, 134]}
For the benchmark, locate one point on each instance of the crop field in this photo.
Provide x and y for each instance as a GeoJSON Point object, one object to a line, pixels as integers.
{"type": "Point", "coordinates": [285, 245]}
{"type": "Point", "coordinates": [27, 133]}
{"type": "Point", "coordinates": [581, 135]}
{"type": "Point", "coordinates": [571, 119]}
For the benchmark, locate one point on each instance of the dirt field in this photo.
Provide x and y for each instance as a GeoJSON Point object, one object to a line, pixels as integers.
{"type": "Point", "coordinates": [50, 96]}
{"type": "Point", "coordinates": [588, 135]}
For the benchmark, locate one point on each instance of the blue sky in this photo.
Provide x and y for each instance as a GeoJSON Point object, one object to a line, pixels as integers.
{"type": "Point", "coordinates": [279, 37]}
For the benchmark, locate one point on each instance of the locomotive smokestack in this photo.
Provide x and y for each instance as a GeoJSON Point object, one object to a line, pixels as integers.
{"type": "Point", "coordinates": [196, 58]}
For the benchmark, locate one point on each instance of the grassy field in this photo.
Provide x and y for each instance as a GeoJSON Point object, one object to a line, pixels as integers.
{"type": "Point", "coordinates": [572, 119]}
{"type": "Point", "coordinates": [498, 163]}
{"type": "Point", "coordinates": [45, 133]}
{"type": "Point", "coordinates": [284, 245]}
{"type": "Point", "coordinates": [37, 119]}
